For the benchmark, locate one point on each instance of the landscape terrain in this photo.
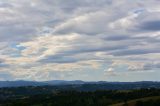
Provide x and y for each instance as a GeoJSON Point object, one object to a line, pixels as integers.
{"type": "Point", "coordinates": [79, 52]}
{"type": "Point", "coordinates": [79, 93]}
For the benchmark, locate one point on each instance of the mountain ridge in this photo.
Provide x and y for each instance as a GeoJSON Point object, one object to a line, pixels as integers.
{"type": "Point", "coordinates": [20, 83]}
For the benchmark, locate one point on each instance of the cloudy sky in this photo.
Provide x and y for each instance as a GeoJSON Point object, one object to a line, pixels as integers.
{"type": "Point", "coordinates": [111, 40]}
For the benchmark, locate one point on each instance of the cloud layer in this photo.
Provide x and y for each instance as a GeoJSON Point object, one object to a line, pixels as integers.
{"type": "Point", "coordinates": [87, 40]}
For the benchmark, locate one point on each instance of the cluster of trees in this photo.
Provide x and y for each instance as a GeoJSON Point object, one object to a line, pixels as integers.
{"type": "Point", "coordinates": [48, 97]}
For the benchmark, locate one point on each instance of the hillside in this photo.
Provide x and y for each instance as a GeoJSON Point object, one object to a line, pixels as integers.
{"type": "Point", "coordinates": [139, 102]}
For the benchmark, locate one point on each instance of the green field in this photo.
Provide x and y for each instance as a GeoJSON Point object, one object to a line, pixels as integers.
{"type": "Point", "coordinates": [133, 102]}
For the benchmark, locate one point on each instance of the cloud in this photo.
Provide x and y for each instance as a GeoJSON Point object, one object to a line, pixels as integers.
{"type": "Point", "coordinates": [116, 37]}
{"type": "Point", "coordinates": [3, 64]}
{"type": "Point", "coordinates": [110, 72]}
{"type": "Point", "coordinates": [135, 52]}
{"type": "Point", "coordinates": [42, 37]}
{"type": "Point", "coordinates": [85, 24]}
{"type": "Point", "coordinates": [151, 25]}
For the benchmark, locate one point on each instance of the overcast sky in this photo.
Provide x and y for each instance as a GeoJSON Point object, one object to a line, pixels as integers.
{"type": "Point", "coordinates": [112, 40]}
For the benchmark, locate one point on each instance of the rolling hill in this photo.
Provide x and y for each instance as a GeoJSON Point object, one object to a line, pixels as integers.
{"type": "Point", "coordinates": [82, 85]}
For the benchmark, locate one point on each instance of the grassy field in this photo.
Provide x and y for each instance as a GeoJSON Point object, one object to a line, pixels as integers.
{"type": "Point", "coordinates": [133, 102]}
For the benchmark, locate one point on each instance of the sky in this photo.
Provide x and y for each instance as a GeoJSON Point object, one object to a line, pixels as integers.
{"type": "Point", "coordinates": [90, 40]}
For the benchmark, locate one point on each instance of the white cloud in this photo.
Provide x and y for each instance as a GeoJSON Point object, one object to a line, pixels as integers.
{"type": "Point", "coordinates": [124, 23]}
{"type": "Point", "coordinates": [110, 72]}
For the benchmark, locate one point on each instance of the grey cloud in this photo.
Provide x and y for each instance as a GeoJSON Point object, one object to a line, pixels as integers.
{"type": "Point", "coordinates": [85, 49]}
{"type": "Point", "coordinates": [3, 64]}
{"type": "Point", "coordinates": [151, 25]}
{"type": "Point", "coordinates": [16, 34]}
{"type": "Point", "coordinates": [116, 37]}
{"type": "Point", "coordinates": [68, 56]}
{"type": "Point", "coordinates": [5, 5]}
{"type": "Point", "coordinates": [147, 67]}
{"type": "Point", "coordinates": [23, 21]}
{"type": "Point", "coordinates": [135, 52]}
{"type": "Point", "coordinates": [58, 59]}
{"type": "Point", "coordinates": [152, 65]}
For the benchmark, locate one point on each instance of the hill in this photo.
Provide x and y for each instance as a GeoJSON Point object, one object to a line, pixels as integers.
{"type": "Point", "coordinates": [139, 102]}
{"type": "Point", "coordinates": [82, 85]}
{"type": "Point", "coordinates": [20, 83]}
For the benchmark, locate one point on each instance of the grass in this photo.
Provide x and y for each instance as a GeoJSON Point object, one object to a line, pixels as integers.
{"type": "Point", "coordinates": [133, 102]}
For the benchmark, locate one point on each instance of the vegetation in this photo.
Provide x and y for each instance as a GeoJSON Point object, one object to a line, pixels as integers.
{"type": "Point", "coordinates": [49, 96]}
{"type": "Point", "coordinates": [147, 101]}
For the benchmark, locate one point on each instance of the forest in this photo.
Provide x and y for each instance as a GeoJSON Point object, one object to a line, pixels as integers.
{"type": "Point", "coordinates": [47, 96]}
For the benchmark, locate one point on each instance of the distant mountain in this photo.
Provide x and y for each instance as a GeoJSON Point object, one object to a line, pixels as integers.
{"type": "Point", "coordinates": [20, 83]}
{"type": "Point", "coordinates": [63, 82]}
{"type": "Point", "coordinates": [82, 85]}
{"type": "Point", "coordinates": [116, 86]}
